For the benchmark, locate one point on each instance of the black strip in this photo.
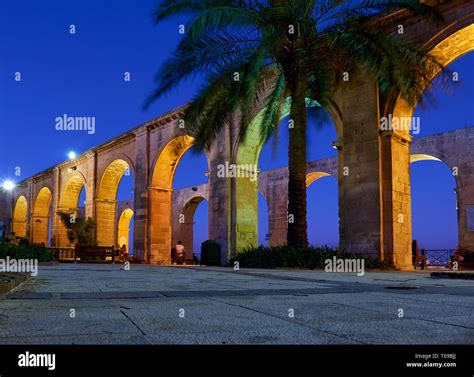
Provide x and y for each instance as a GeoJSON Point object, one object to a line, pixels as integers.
{"type": "Point", "coordinates": [236, 361]}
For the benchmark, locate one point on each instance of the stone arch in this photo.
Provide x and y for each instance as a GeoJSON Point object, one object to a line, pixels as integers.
{"type": "Point", "coordinates": [123, 231]}
{"type": "Point", "coordinates": [161, 188]}
{"type": "Point", "coordinates": [451, 48]}
{"type": "Point", "coordinates": [311, 178]}
{"type": "Point", "coordinates": [415, 158]}
{"type": "Point", "coordinates": [185, 231]}
{"type": "Point", "coordinates": [245, 208]}
{"type": "Point", "coordinates": [423, 157]}
{"type": "Point", "coordinates": [68, 202]}
{"type": "Point", "coordinates": [314, 176]}
{"type": "Point", "coordinates": [20, 214]}
{"type": "Point", "coordinates": [106, 201]}
{"type": "Point", "coordinates": [41, 216]}
{"type": "Point", "coordinates": [246, 189]}
{"type": "Point", "coordinates": [447, 46]}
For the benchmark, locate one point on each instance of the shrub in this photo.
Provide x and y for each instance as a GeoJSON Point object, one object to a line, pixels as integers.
{"type": "Point", "coordinates": [290, 256]}
{"type": "Point", "coordinates": [25, 251]}
{"type": "Point", "coordinates": [79, 229]}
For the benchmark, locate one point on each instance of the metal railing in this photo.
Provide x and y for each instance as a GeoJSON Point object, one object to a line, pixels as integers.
{"type": "Point", "coordinates": [438, 257]}
{"type": "Point", "coordinates": [62, 254]}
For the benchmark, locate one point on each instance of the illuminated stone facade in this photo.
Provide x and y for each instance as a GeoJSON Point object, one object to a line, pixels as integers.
{"type": "Point", "coordinates": [372, 169]}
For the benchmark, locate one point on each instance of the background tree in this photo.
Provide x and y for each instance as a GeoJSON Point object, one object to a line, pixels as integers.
{"type": "Point", "coordinates": [279, 53]}
{"type": "Point", "coordinates": [79, 229]}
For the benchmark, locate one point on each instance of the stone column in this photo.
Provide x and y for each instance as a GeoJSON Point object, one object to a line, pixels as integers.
{"type": "Point", "coordinates": [220, 196]}
{"type": "Point", "coordinates": [276, 194]}
{"type": "Point", "coordinates": [375, 200]}
{"type": "Point", "coordinates": [106, 230]}
{"type": "Point", "coordinates": [397, 227]}
{"type": "Point", "coordinates": [465, 197]}
{"type": "Point", "coordinates": [360, 187]}
{"type": "Point", "coordinates": [341, 172]}
{"type": "Point", "coordinates": [91, 186]}
{"type": "Point", "coordinates": [160, 217]}
{"type": "Point", "coordinates": [141, 200]}
{"type": "Point", "coordinates": [56, 227]}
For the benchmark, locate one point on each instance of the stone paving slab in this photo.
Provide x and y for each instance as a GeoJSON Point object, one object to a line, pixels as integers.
{"type": "Point", "coordinates": [9, 281]}
{"type": "Point", "coordinates": [222, 306]}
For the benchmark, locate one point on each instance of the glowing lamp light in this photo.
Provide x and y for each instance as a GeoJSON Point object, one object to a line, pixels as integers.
{"type": "Point", "coordinates": [8, 185]}
{"type": "Point", "coordinates": [72, 155]}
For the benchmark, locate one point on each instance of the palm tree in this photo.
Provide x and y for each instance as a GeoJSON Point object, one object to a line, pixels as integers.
{"type": "Point", "coordinates": [302, 48]}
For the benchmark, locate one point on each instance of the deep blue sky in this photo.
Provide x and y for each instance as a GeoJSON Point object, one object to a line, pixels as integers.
{"type": "Point", "coordinates": [82, 75]}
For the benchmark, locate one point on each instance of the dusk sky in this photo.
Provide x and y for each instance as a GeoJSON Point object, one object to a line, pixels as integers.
{"type": "Point", "coordinates": [82, 74]}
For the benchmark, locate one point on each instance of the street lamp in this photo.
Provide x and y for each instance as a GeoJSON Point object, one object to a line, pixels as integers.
{"type": "Point", "coordinates": [8, 185]}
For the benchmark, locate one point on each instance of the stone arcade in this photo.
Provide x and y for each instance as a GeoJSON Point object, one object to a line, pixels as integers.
{"type": "Point", "coordinates": [373, 180]}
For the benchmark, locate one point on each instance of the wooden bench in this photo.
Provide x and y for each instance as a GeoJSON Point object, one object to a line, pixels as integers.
{"type": "Point", "coordinates": [86, 253]}
{"type": "Point", "coordinates": [417, 256]}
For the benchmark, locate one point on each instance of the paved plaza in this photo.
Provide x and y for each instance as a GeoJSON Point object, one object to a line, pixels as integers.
{"type": "Point", "coordinates": [103, 304]}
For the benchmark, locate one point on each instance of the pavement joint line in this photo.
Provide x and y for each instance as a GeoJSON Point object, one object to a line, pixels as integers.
{"type": "Point", "coordinates": [433, 302]}
{"type": "Point", "coordinates": [364, 286]}
{"type": "Point", "coordinates": [287, 320]}
{"type": "Point", "coordinates": [265, 275]}
{"type": "Point", "coordinates": [416, 318]}
{"type": "Point", "coordinates": [193, 293]}
{"type": "Point", "coordinates": [133, 322]}
{"type": "Point", "coordinates": [26, 282]}
{"type": "Point", "coordinates": [63, 335]}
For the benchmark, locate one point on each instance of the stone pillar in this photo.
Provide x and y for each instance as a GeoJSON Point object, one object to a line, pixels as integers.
{"type": "Point", "coordinates": [183, 226]}
{"type": "Point", "coordinates": [341, 172]}
{"type": "Point", "coordinates": [141, 200]}
{"type": "Point", "coordinates": [246, 212]}
{"type": "Point", "coordinates": [220, 196]}
{"type": "Point", "coordinates": [160, 217]}
{"type": "Point", "coordinates": [465, 197]}
{"type": "Point", "coordinates": [91, 186]}
{"type": "Point", "coordinates": [39, 229]}
{"type": "Point", "coordinates": [29, 213]}
{"type": "Point", "coordinates": [276, 194]}
{"type": "Point", "coordinates": [6, 199]}
{"type": "Point", "coordinates": [397, 227]}
{"type": "Point", "coordinates": [56, 227]}
{"type": "Point", "coordinates": [375, 203]}
{"type": "Point", "coordinates": [360, 191]}
{"type": "Point", "coordinates": [106, 230]}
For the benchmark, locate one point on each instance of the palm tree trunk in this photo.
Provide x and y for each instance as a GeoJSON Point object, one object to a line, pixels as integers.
{"type": "Point", "coordinates": [297, 225]}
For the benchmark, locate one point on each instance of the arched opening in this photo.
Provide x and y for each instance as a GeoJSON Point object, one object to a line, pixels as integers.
{"type": "Point", "coordinates": [161, 198]}
{"type": "Point", "coordinates": [69, 202]}
{"type": "Point", "coordinates": [250, 153]}
{"type": "Point", "coordinates": [324, 126]}
{"type": "Point", "coordinates": [201, 227]}
{"type": "Point", "coordinates": [20, 217]}
{"type": "Point", "coordinates": [123, 231]}
{"type": "Point", "coordinates": [106, 202]}
{"type": "Point", "coordinates": [397, 224]}
{"type": "Point", "coordinates": [434, 221]}
{"type": "Point", "coordinates": [322, 215]}
{"type": "Point", "coordinates": [193, 229]}
{"type": "Point", "coordinates": [450, 49]}
{"type": "Point", "coordinates": [40, 220]}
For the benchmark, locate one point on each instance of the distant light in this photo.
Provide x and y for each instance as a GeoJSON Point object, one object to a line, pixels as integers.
{"type": "Point", "coordinates": [72, 155]}
{"type": "Point", "coordinates": [8, 185]}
